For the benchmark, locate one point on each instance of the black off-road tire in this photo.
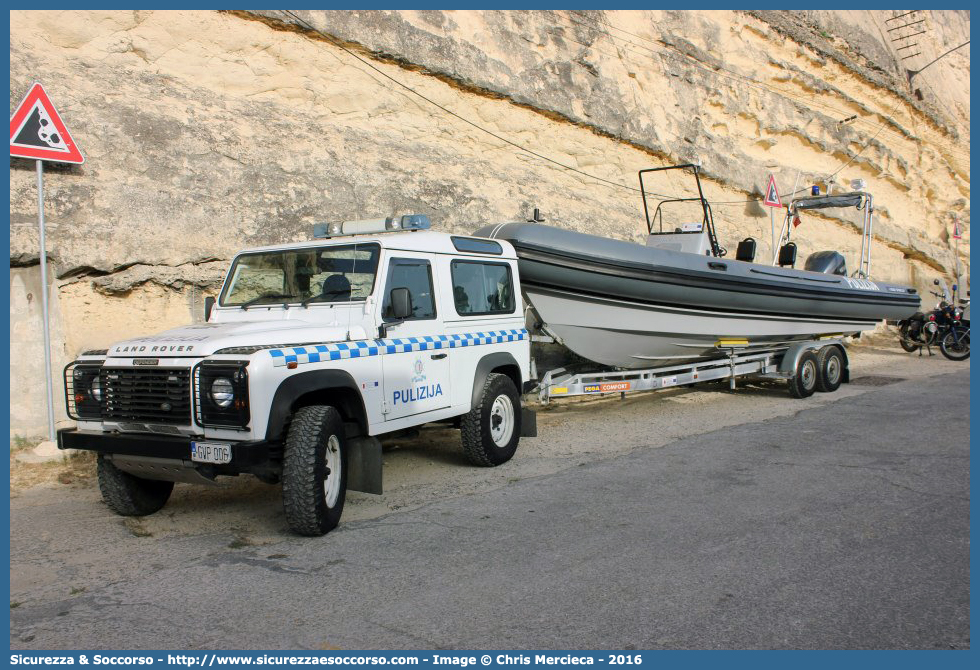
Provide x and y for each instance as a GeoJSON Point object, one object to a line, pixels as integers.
{"type": "Point", "coordinates": [129, 495]}
{"type": "Point", "coordinates": [804, 380]}
{"type": "Point", "coordinates": [477, 427]}
{"type": "Point", "coordinates": [305, 470]}
{"type": "Point", "coordinates": [830, 369]}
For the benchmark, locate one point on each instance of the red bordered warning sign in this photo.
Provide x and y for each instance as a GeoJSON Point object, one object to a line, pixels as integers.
{"type": "Point", "coordinates": [37, 131]}
{"type": "Point", "coordinates": [772, 195]}
{"type": "Point", "coordinates": [956, 230]}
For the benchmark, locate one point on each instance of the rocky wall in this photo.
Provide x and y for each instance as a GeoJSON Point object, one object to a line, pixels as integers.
{"type": "Point", "coordinates": [205, 132]}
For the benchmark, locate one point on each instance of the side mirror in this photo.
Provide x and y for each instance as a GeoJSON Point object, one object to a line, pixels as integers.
{"type": "Point", "coordinates": [208, 306]}
{"type": "Point", "coordinates": [401, 303]}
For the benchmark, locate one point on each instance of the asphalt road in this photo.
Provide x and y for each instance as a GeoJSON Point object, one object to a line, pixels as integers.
{"type": "Point", "coordinates": [844, 526]}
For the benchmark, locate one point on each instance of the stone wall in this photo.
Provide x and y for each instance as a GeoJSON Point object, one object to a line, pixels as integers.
{"type": "Point", "coordinates": [205, 132]}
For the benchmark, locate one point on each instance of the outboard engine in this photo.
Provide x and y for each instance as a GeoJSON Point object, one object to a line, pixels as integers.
{"type": "Point", "coordinates": [827, 262]}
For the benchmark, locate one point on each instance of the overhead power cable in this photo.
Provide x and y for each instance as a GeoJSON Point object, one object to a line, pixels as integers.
{"type": "Point", "coordinates": [432, 102]}
{"type": "Point", "coordinates": [511, 143]}
{"type": "Point", "coordinates": [674, 52]}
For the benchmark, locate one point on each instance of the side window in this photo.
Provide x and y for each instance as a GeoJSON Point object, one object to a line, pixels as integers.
{"type": "Point", "coordinates": [416, 276]}
{"type": "Point", "coordinates": [482, 288]}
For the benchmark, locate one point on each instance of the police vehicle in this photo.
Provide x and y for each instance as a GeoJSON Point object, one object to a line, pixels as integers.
{"type": "Point", "coordinates": [309, 354]}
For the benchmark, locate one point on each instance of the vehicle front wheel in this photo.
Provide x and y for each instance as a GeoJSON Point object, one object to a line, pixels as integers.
{"type": "Point", "coordinates": [314, 470]}
{"type": "Point", "coordinates": [955, 346]}
{"type": "Point", "coordinates": [492, 428]}
{"type": "Point", "coordinates": [129, 495]}
{"type": "Point", "coordinates": [804, 381]}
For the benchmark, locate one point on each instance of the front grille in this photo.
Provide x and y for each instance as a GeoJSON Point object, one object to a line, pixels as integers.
{"type": "Point", "coordinates": [154, 395]}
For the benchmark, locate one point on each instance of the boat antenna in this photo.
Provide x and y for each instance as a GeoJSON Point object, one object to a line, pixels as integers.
{"type": "Point", "coordinates": [536, 217]}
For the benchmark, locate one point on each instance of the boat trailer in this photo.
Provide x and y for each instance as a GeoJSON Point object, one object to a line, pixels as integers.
{"type": "Point", "coordinates": [735, 359]}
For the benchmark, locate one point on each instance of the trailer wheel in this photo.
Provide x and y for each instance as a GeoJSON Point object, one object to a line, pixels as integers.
{"type": "Point", "coordinates": [830, 369]}
{"type": "Point", "coordinates": [804, 380]}
{"type": "Point", "coordinates": [314, 470]}
{"type": "Point", "coordinates": [129, 495]}
{"type": "Point", "coordinates": [492, 428]}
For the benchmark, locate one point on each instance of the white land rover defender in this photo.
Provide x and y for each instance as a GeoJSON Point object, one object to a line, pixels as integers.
{"type": "Point", "coordinates": [311, 352]}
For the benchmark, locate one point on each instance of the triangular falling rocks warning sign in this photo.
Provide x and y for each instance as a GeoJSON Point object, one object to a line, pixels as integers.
{"type": "Point", "coordinates": [37, 131]}
{"type": "Point", "coordinates": [772, 195]}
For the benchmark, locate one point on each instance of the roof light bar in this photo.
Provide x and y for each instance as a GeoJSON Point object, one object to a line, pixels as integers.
{"type": "Point", "coordinates": [391, 224]}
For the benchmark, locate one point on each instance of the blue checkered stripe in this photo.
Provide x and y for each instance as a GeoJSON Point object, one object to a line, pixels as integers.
{"type": "Point", "coordinates": [335, 351]}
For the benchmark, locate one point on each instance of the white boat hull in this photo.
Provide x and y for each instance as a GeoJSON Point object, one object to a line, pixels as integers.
{"type": "Point", "coordinates": [624, 334]}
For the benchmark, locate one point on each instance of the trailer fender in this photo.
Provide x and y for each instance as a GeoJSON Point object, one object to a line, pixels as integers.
{"type": "Point", "coordinates": [792, 356]}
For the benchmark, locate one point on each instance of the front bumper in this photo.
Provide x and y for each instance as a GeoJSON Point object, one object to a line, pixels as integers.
{"type": "Point", "coordinates": [245, 456]}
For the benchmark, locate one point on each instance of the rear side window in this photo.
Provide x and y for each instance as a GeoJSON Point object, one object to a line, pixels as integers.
{"type": "Point", "coordinates": [416, 276]}
{"type": "Point", "coordinates": [477, 245]}
{"type": "Point", "coordinates": [482, 288]}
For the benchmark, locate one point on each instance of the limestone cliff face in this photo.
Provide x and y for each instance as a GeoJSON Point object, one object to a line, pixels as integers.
{"type": "Point", "coordinates": [206, 132]}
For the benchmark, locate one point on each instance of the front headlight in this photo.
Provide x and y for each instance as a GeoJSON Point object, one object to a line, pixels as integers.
{"type": "Point", "coordinates": [222, 392]}
{"type": "Point", "coordinates": [83, 390]}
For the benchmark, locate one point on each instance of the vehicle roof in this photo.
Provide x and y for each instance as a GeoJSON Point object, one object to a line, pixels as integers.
{"type": "Point", "coordinates": [424, 241]}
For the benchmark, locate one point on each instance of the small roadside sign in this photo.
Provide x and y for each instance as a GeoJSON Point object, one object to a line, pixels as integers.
{"type": "Point", "coordinates": [956, 230]}
{"type": "Point", "coordinates": [37, 131]}
{"type": "Point", "coordinates": [772, 195]}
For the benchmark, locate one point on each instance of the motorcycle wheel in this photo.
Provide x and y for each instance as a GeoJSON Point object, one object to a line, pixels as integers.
{"type": "Point", "coordinates": [905, 341]}
{"type": "Point", "coordinates": [953, 349]}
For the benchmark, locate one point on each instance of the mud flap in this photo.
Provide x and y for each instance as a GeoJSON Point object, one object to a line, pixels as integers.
{"type": "Point", "coordinates": [529, 422]}
{"type": "Point", "coordinates": [364, 465]}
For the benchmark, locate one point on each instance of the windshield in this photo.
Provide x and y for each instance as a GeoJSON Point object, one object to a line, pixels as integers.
{"type": "Point", "coordinates": [313, 275]}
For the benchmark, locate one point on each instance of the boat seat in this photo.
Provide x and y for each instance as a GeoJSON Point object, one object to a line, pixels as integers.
{"type": "Point", "coordinates": [787, 255]}
{"type": "Point", "coordinates": [746, 250]}
{"type": "Point", "coordinates": [827, 262]}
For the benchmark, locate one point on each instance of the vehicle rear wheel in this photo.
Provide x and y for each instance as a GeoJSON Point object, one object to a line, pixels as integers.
{"type": "Point", "coordinates": [314, 470]}
{"type": "Point", "coordinates": [492, 428]}
{"type": "Point", "coordinates": [129, 495]}
{"type": "Point", "coordinates": [804, 380]}
{"type": "Point", "coordinates": [830, 369]}
{"type": "Point", "coordinates": [955, 346]}
{"type": "Point", "coordinates": [905, 341]}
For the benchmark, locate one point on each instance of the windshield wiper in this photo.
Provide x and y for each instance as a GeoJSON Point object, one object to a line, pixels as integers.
{"type": "Point", "coordinates": [265, 296]}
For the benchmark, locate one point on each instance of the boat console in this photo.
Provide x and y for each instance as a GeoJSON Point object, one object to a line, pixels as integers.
{"type": "Point", "coordinates": [691, 238]}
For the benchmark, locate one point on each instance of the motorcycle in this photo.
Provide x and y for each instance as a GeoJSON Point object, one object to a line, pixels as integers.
{"type": "Point", "coordinates": [954, 338]}
{"type": "Point", "coordinates": [923, 329]}
{"type": "Point", "coordinates": [945, 326]}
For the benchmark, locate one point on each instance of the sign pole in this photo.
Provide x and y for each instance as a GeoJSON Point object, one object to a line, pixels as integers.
{"type": "Point", "coordinates": [38, 133]}
{"type": "Point", "coordinates": [956, 252]}
{"type": "Point", "coordinates": [44, 300]}
{"type": "Point", "coordinates": [772, 231]}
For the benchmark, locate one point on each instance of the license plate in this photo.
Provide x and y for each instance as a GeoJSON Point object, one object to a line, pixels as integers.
{"type": "Point", "coordinates": [210, 452]}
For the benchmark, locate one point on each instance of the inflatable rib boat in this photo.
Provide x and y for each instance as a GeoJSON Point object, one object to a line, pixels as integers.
{"type": "Point", "coordinates": [631, 306]}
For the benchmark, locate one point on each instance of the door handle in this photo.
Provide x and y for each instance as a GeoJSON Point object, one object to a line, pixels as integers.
{"type": "Point", "coordinates": [438, 357]}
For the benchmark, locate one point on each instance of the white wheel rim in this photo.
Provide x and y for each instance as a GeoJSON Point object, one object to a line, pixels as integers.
{"type": "Point", "coordinates": [331, 483]}
{"type": "Point", "coordinates": [808, 374]}
{"type": "Point", "coordinates": [833, 369]}
{"type": "Point", "coordinates": [502, 421]}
